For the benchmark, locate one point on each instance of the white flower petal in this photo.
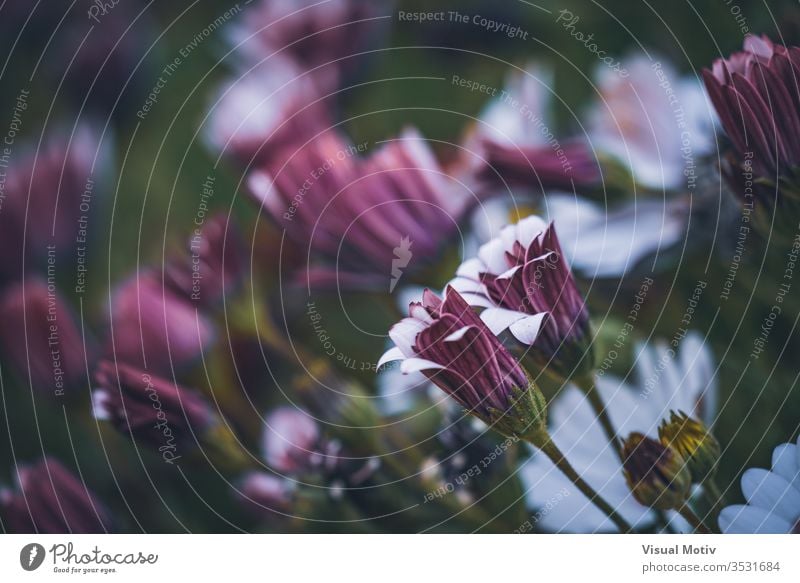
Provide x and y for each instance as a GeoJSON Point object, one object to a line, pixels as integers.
{"type": "Point", "coordinates": [471, 269]}
{"type": "Point", "coordinates": [412, 365]}
{"type": "Point", "coordinates": [499, 319]}
{"type": "Point", "coordinates": [458, 334]}
{"type": "Point", "coordinates": [740, 519]}
{"type": "Point", "coordinates": [785, 464]}
{"type": "Point", "coordinates": [404, 334]}
{"type": "Point", "coordinates": [493, 255]}
{"type": "Point", "coordinates": [770, 491]}
{"type": "Point", "coordinates": [391, 355]}
{"type": "Point", "coordinates": [527, 329]}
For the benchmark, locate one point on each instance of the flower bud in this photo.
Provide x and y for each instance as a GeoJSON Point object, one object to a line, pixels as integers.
{"type": "Point", "coordinates": [291, 441]}
{"type": "Point", "coordinates": [447, 341]}
{"type": "Point", "coordinates": [41, 339]}
{"type": "Point", "coordinates": [51, 500]}
{"type": "Point", "coordinates": [150, 409]}
{"type": "Point", "coordinates": [155, 327]}
{"type": "Point", "coordinates": [693, 441]}
{"type": "Point", "coordinates": [656, 474]}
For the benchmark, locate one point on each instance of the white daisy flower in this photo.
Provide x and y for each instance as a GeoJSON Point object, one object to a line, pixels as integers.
{"type": "Point", "coordinates": [650, 119]}
{"type": "Point", "coordinates": [665, 381]}
{"type": "Point", "coordinates": [773, 497]}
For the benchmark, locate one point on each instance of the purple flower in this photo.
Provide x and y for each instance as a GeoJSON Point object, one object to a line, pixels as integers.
{"type": "Point", "coordinates": [523, 281]}
{"type": "Point", "coordinates": [150, 409]}
{"type": "Point", "coordinates": [266, 113]}
{"type": "Point", "coordinates": [448, 342]}
{"type": "Point", "coordinates": [51, 500]}
{"type": "Point", "coordinates": [213, 266]}
{"type": "Point", "coordinates": [155, 327]}
{"type": "Point", "coordinates": [41, 339]}
{"type": "Point", "coordinates": [324, 38]}
{"type": "Point", "coordinates": [43, 197]}
{"type": "Point", "coordinates": [571, 166]}
{"type": "Point", "coordinates": [755, 93]}
{"type": "Point", "coordinates": [263, 491]}
{"type": "Point", "coordinates": [366, 217]}
{"type": "Point", "coordinates": [292, 441]}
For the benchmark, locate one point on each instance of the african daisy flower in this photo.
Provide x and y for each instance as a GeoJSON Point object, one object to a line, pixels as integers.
{"type": "Point", "coordinates": [523, 281]}
{"type": "Point", "coordinates": [451, 345]}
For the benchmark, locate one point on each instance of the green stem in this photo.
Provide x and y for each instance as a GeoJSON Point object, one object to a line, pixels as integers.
{"type": "Point", "coordinates": [693, 519]}
{"type": "Point", "coordinates": [715, 498]}
{"type": "Point", "coordinates": [588, 386]}
{"type": "Point", "coordinates": [546, 445]}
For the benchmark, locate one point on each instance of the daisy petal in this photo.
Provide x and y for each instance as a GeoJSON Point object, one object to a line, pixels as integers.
{"type": "Point", "coordinates": [767, 490]}
{"type": "Point", "coordinates": [499, 319]}
{"type": "Point", "coordinates": [390, 356]}
{"type": "Point", "coordinates": [741, 519]}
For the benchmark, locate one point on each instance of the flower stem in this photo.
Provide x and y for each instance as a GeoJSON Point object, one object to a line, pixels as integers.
{"type": "Point", "coordinates": [712, 493]}
{"type": "Point", "coordinates": [588, 386]}
{"type": "Point", "coordinates": [546, 445]}
{"type": "Point", "coordinates": [693, 519]}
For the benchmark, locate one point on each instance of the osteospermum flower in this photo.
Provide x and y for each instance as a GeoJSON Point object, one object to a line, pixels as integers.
{"type": "Point", "coordinates": [156, 327]}
{"type": "Point", "coordinates": [447, 341]}
{"type": "Point", "coordinates": [213, 265]}
{"type": "Point", "coordinates": [514, 145]}
{"type": "Point", "coordinates": [773, 497]}
{"type": "Point", "coordinates": [49, 499]}
{"type": "Point", "coordinates": [660, 384]}
{"type": "Point", "coordinates": [323, 38]}
{"type": "Point", "coordinates": [597, 242]}
{"type": "Point", "coordinates": [523, 281]}
{"type": "Point", "coordinates": [292, 441]}
{"type": "Point", "coordinates": [150, 409]}
{"type": "Point", "coordinates": [41, 338]}
{"type": "Point", "coordinates": [756, 95]}
{"type": "Point", "coordinates": [653, 121]}
{"type": "Point", "coordinates": [44, 194]}
{"type": "Point", "coordinates": [371, 219]}
{"type": "Point", "coordinates": [264, 114]}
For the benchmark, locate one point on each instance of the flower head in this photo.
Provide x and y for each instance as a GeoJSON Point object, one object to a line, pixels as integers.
{"type": "Point", "coordinates": [634, 121]}
{"type": "Point", "coordinates": [265, 114]}
{"type": "Point", "coordinates": [266, 493]}
{"type": "Point", "coordinates": [773, 497]}
{"type": "Point", "coordinates": [527, 288]}
{"type": "Point", "coordinates": [515, 146]}
{"type": "Point", "coordinates": [656, 474]}
{"type": "Point", "coordinates": [41, 338]}
{"type": "Point", "coordinates": [356, 212]}
{"type": "Point", "coordinates": [41, 197]}
{"type": "Point", "coordinates": [756, 96]}
{"type": "Point", "coordinates": [446, 340]}
{"type": "Point", "coordinates": [292, 441]}
{"type": "Point", "coordinates": [150, 409]}
{"type": "Point", "coordinates": [51, 500]}
{"type": "Point", "coordinates": [213, 267]}
{"type": "Point", "coordinates": [156, 327]}
{"type": "Point", "coordinates": [693, 441]}
{"type": "Point", "coordinates": [321, 37]}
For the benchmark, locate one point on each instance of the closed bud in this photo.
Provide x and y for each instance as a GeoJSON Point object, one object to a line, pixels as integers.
{"type": "Point", "coordinates": [50, 499]}
{"type": "Point", "coordinates": [693, 441]}
{"type": "Point", "coordinates": [656, 474]}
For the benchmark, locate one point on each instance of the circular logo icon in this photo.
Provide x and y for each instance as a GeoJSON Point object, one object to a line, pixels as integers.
{"type": "Point", "coordinates": [31, 556]}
